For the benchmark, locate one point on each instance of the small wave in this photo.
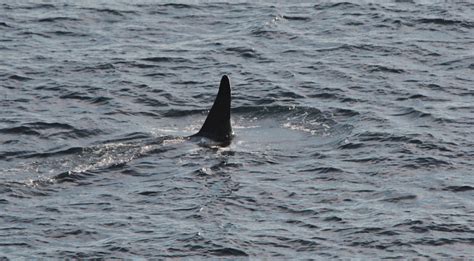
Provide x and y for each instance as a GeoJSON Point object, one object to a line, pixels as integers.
{"type": "Point", "coordinates": [68, 151]}
{"type": "Point", "coordinates": [103, 66]}
{"type": "Point", "coordinates": [412, 112]}
{"type": "Point", "coordinates": [41, 129]}
{"type": "Point", "coordinates": [151, 102]}
{"type": "Point", "coordinates": [28, 33]}
{"type": "Point", "coordinates": [31, 7]}
{"type": "Point", "coordinates": [70, 176]}
{"type": "Point", "coordinates": [138, 65]}
{"type": "Point", "coordinates": [243, 52]}
{"type": "Point", "coordinates": [340, 5]}
{"type": "Point", "coordinates": [98, 100]}
{"type": "Point", "coordinates": [14, 154]}
{"type": "Point", "coordinates": [161, 75]}
{"type": "Point", "coordinates": [111, 11]}
{"type": "Point", "coordinates": [285, 95]}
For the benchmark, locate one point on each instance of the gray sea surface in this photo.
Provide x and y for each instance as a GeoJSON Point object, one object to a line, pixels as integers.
{"type": "Point", "coordinates": [354, 127]}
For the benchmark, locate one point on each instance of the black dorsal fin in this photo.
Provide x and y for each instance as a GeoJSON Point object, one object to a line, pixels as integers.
{"type": "Point", "coordinates": [217, 126]}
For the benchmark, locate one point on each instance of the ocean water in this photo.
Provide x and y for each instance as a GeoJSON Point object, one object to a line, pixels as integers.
{"type": "Point", "coordinates": [353, 122]}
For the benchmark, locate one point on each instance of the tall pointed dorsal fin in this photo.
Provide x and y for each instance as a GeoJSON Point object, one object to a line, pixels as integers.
{"type": "Point", "coordinates": [217, 126]}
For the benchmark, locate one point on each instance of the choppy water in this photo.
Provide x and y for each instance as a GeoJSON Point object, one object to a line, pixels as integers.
{"type": "Point", "coordinates": [353, 120]}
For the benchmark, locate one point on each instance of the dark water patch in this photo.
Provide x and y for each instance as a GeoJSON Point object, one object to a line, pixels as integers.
{"type": "Point", "coordinates": [30, 189]}
{"type": "Point", "coordinates": [100, 100]}
{"type": "Point", "coordinates": [180, 6]}
{"type": "Point", "coordinates": [442, 21]}
{"type": "Point", "coordinates": [323, 170]}
{"type": "Point", "coordinates": [324, 95]}
{"type": "Point", "coordinates": [227, 251]}
{"type": "Point", "coordinates": [339, 112]}
{"type": "Point", "coordinates": [160, 75]}
{"type": "Point", "coordinates": [426, 162]}
{"type": "Point", "coordinates": [64, 232]}
{"type": "Point", "coordinates": [15, 244]}
{"type": "Point", "coordinates": [49, 125]}
{"type": "Point", "coordinates": [372, 160]}
{"type": "Point", "coordinates": [76, 133]}
{"type": "Point", "coordinates": [66, 34]}
{"type": "Point", "coordinates": [457, 63]}
{"type": "Point", "coordinates": [296, 18]}
{"type": "Point", "coordinates": [368, 230]}
{"type": "Point", "coordinates": [190, 83]}
{"type": "Point", "coordinates": [413, 97]}
{"type": "Point", "coordinates": [381, 68]}
{"type": "Point", "coordinates": [161, 59]}
{"type": "Point", "coordinates": [409, 222]}
{"type": "Point", "coordinates": [57, 19]}
{"type": "Point", "coordinates": [441, 241]}
{"type": "Point", "coordinates": [271, 34]}
{"type": "Point", "coordinates": [400, 198]}
{"type": "Point", "coordinates": [103, 66]}
{"type": "Point", "coordinates": [351, 146]}
{"type": "Point", "coordinates": [109, 11]}
{"type": "Point", "coordinates": [19, 78]}
{"type": "Point", "coordinates": [21, 130]}
{"type": "Point", "coordinates": [366, 47]}
{"type": "Point", "coordinates": [458, 188]}
{"type": "Point", "coordinates": [3, 24]}
{"type": "Point", "coordinates": [37, 6]}
{"type": "Point", "coordinates": [457, 228]}
{"type": "Point", "coordinates": [150, 193]}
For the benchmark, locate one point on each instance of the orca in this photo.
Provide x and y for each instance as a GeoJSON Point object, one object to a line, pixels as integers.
{"type": "Point", "coordinates": [217, 126]}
